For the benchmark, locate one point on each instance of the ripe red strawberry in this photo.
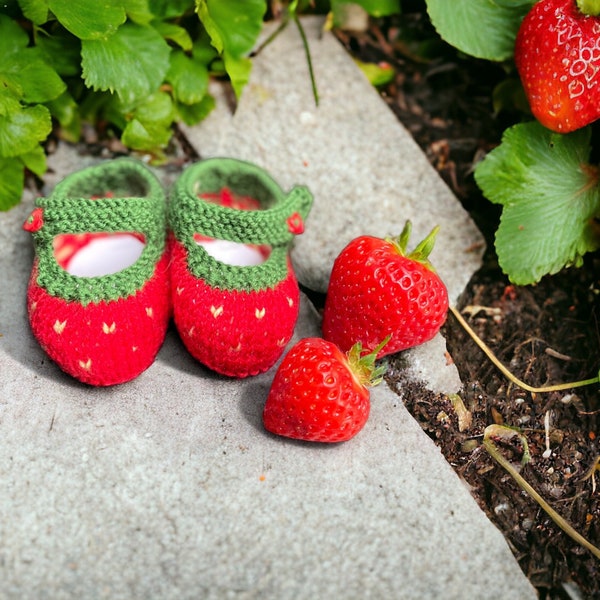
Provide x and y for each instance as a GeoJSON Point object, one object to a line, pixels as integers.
{"type": "Point", "coordinates": [320, 394]}
{"type": "Point", "coordinates": [376, 290]}
{"type": "Point", "coordinates": [557, 54]}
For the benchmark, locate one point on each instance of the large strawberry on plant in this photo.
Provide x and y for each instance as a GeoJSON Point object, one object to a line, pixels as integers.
{"type": "Point", "coordinates": [557, 54]}
{"type": "Point", "coordinates": [320, 394]}
{"type": "Point", "coordinates": [377, 289]}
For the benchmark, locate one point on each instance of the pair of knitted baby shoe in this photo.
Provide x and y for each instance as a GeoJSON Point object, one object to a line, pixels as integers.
{"type": "Point", "coordinates": [113, 263]}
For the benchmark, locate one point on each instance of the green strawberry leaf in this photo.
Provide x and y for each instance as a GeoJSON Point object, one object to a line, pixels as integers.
{"type": "Point", "coordinates": [188, 77]}
{"type": "Point", "coordinates": [138, 11]}
{"type": "Point", "coordinates": [65, 110]}
{"type": "Point", "coordinates": [145, 136]}
{"type": "Point", "coordinates": [550, 196]}
{"type": "Point", "coordinates": [63, 52]}
{"type": "Point", "coordinates": [156, 108]}
{"type": "Point", "coordinates": [23, 70]}
{"type": "Point", "coordinates": [174, 33]}
{"type": "Point", "coordinates": [21, 131]}
{"type": "Point", "coordinates": [239, 70]}
{"type": "Point", "coordinates": [133, 62]}
{"type": "Point", "coordinates": [169, 9]}
{"type": "Point", "coordinates": [191, 114]}
{"type": "Point", "coordinates": [482, 28]}
{"type": "Point", "coordinates": [203, 51]}
{"type": "Point", "coordinates": [233, 27]}
{"type": "Point", "coordinates": [87, 20]}
{"type": "Point", "coordinates": [11, 182]}
{"type": "Point", "coordinates": [13, 39]}
{"type": "Point", "coordinates": [9, 102]}
{"type": "Point", "coordinates": [35, 160]}
{"type": "Point", "coordinates": [35, 10]}
{"type": "Point", "coordinates": [37, 80]}
{"type": "Point", "coordinates": [150, 127]}
{"type": "Point", "coordinates": [10, 87]}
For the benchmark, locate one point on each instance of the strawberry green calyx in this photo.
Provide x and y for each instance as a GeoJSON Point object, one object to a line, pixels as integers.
{"type": "Point", "coordinates": [363, 365]}
{"type": "Point", "coordinates": [589, 7]}
{"type": "Point", "coordinates": [421, 253]}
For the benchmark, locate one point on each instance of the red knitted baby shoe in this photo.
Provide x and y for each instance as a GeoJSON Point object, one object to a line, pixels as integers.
{"type": "Point", "coordinates": [98, 297]}
{"type": "Point", "coordinates": [235, 295]}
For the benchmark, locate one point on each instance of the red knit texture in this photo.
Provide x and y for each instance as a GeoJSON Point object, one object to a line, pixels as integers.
{"type": "Point", "coordinates": [103, 343]}
{"type": "Point", "coordinates": [233, 332]}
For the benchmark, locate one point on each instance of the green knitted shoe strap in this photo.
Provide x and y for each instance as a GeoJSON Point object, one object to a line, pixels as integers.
{"type": "Point", "coordinates": [266, 226]}
{"type": "Point", "coordinates": [189, 215]}
{"type": "Point", "coordinates": [65, 213]}
{"type": "Point", "coordinates": [82, 215]}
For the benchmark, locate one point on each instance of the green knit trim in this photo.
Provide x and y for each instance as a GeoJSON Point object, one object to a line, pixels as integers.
{"type": "Point", "coordinates": [139, 207]}
{"type": "Point", "coordinates": [189, 214]}
{"type": "Point", "coordinates": [229, 277]}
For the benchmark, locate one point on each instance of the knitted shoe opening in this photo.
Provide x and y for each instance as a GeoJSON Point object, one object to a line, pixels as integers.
{"type": "Point", "coordinates": [97, 254]}
{"type": "Point", "coordinates": [230, 199]}
{"type": "Point", "coordinates": [109, 184]}
{"type": "Point", "coordinates": [235, 254]}
{"type": "Point", "coordinates": [228, 252]}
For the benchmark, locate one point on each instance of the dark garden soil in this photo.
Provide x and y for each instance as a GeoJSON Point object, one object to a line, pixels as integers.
{"type": "Point", "coordinates": [545, 334]}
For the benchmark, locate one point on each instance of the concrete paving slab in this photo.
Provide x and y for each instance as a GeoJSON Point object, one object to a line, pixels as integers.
{"type": "Point", "coordinates": [168, 486]}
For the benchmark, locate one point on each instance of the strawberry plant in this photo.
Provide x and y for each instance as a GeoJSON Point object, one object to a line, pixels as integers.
{"type": "Point", "coordinates": [542, 173]}
{"type": "Point", "coordinates": [138, 65]}
{"type": "Point", "coordinates": [133, 67]}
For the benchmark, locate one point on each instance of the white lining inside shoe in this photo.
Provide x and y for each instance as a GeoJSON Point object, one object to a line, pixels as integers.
{"type": "Point", "coordinates": [233, 253]}
{"type": "Point", "coordinates": [106, 255]}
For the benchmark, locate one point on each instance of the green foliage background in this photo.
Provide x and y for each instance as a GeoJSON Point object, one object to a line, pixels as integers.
{"type": "Point", "coordinates": [138, 66]}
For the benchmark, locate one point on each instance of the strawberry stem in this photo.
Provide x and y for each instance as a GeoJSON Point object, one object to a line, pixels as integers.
{"type": "Point", "coordinates": [402, 242]}
{"type": "Point", "coordinates": [423, 250]}
{"type": "Point", "coordinates": [363, 365]}
{"type": "Point", "coordinates": [493, 450]}
{"type": "Point", "coordinates": [421, 253]}
{"type": "Point", "coordinates": [508, 374]}
{"type": "Point", "coordinates": [589, 7]}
